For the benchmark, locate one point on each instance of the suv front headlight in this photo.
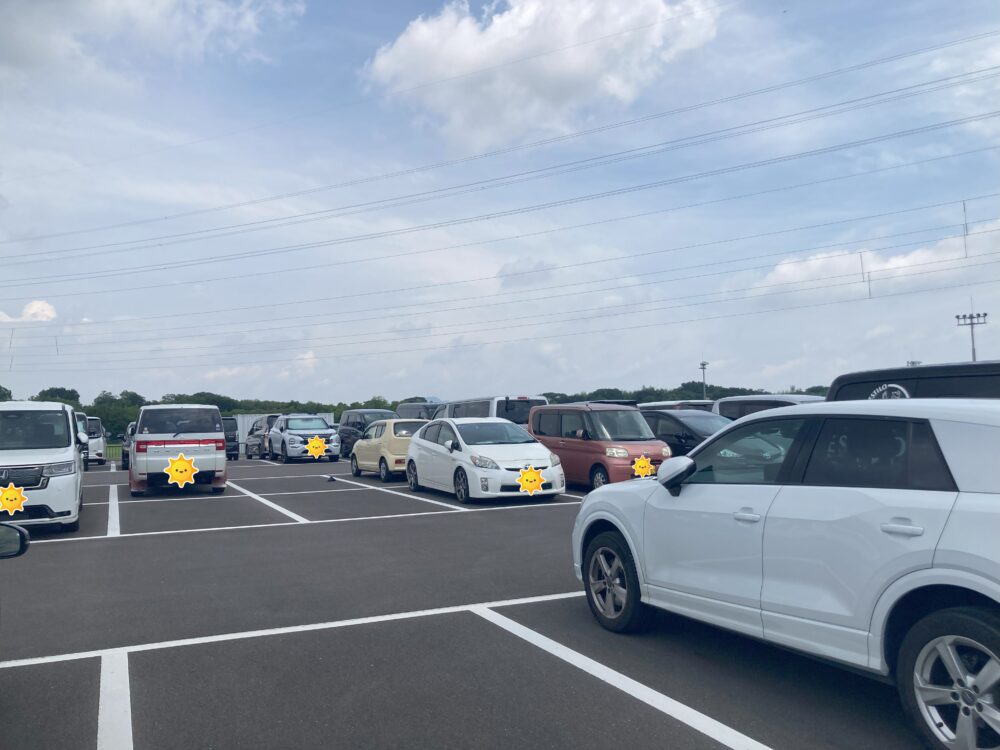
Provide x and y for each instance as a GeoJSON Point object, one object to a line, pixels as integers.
{"type": "Point", "coordinates": [616, 452]}
{"type": "Point", "coordinates": [60, 469]}
{"type": "Point", "coordinates": [554, 460]}
{"type": "Point", "coordinates": [483, 462]}
{"type": "Point", "coordinates": [294, 439]}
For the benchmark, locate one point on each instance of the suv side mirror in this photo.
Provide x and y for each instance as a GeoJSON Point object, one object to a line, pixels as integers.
{"type": "Point", "coordinates": [14, 540]}
{"type": "Point", "coordinates": [82, 439]}
{"type": "Point", "coordinates": [674, 471]}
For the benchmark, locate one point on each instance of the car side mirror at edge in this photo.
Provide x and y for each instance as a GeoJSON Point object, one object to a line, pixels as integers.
{"type": "Point", "coordinates": [674, 471]}
{"type": "Point", "coordinates": [14, 540]}
{"type": "Point", "coordinates": [82, 439]}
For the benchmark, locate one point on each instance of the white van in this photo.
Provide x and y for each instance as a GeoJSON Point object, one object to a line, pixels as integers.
{"type": "Point", "coordinates": [96, 438]}
{"type": "Point", "coordinates": [41, 454]}
{"type": "Point", "coordinates": [163, 432]}
{"type": "Point", "coordinates": [513, 408]}
{"type": "Point", "coordinates": [81, 426]}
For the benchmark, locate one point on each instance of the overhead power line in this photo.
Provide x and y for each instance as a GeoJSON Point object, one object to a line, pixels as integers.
{"type": "Point", "coordinates": [87, 276]}
{"type": "Point", "coordinates": [546, 293]}
{"type": "Point", "coordinates": [270, 273]}
{"type": "Point", "coordinates": [48, 369]}
{"type": "Point", "coordinates": [530, 145]}
{"type": "Point", "coordinates": [492, 183]}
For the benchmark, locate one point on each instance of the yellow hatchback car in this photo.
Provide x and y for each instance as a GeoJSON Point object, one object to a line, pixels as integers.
{"type": "Point", "coordinates": [382, 448]}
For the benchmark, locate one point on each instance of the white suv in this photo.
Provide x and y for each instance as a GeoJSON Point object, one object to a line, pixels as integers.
{"type": "Point", "coordinates": [291, 433]}
{"type": "Point", "coordinates": [165, 431]}
{"type": "Point", "coordinates": [41, 459]}
{"type": "Point", "coordinates": [867, 533]}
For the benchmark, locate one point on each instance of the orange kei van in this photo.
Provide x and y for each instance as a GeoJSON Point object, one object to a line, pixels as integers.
{"type": "Point", "coordinates": [596, 442]}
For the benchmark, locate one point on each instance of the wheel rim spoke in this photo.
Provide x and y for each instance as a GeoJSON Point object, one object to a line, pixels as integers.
{"type": "Point", "coordinates": [616, 569]}
{"type": "Point", "coordinates": [933, 695]}
{"type": "Point", "coordinates": [619, 593]}
{"type": "Point", "coordinates": [988, 676]}
{"type": "Point", "coordinates": [991, 717]}
{"type": "Point", "coordinates": [951, 661]}
{"type": "Point", "coordinates": [605, 568]}
{"type": "Point", "coordinates": [965, 732]}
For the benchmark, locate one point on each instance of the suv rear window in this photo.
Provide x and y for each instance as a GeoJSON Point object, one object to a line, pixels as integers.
{"type": "Point", "coordinates": [179, 421]}
{"type": "Point", "coordinates": [406, 429]}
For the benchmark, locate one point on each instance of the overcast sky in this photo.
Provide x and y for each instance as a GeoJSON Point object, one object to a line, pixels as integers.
{"type": "Point", "coordinates": [313, 200]}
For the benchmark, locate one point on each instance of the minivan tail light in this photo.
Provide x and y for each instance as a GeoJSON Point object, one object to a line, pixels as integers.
{"type": "Point", "coordinates": [220, 445]}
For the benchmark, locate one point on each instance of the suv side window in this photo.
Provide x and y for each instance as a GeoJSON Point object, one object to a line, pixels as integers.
{"type": "Point", "coordinates": [571, 422]}
{"type": "Point", "coordinates": [458, 410]}
{"type": "Point", "coordinates": [878, 453]}
{"type": "Point", "coordinates": [752, 454]}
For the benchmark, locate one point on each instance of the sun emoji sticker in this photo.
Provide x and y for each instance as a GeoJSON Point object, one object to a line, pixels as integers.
{"type": "Point", "coordinates": [643, 467]}
{"type": "Point", "coordinates": [12, 498]}
{"type": "Point", "coordinates": [181, 470]}
{"type": "Point", "coordinates": [316, 446]}
{"type": "Point", "coordinates": [530, 480]}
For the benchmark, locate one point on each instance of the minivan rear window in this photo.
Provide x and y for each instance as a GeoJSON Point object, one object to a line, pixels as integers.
{"type": "Point", "coordinates": [516, 409]}
{"type": "Point", "coordinates": [30, 429]}
{"type": "Point", "coordinates": [179, 421]}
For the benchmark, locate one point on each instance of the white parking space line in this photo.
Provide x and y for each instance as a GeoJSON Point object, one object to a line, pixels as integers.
{"type": "Point", "coordinates": [386, 517]}
{"type": "Point", "coordinates": [269, 504]}
{"type": "Point", "coordinates": [114, 714]}
{"type": "Point", "coordinates": [409, 495]}
{"type": "Point", "coordinates": [698, 721]}
{"type": "Point", "coordinates": [114, 529]}
{"type": "Point", "coordinates": [269, 463]}
{"type": "Point", "coordinates": [293, 476]}
{"type": "Point", "coordinates": [575, 497]}
{"type": "Point", "coordinates": [223, 637]}
{"type": "Point", "coordinates": [316, 492]}
{"type": "Point", "coordinates": [111, 465]}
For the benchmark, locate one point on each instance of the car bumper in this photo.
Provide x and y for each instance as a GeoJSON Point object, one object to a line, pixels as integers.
{"type": "Point", "coordinates": [148, 471]}
{"type": "Point", "coordinates": [301, 451]}
{"type": "Point", "coordinates": [620, 469]}
{"type": "Point", "coordinates": [493, 483]}
{"type": "Point", "coordinates": [58, 502]}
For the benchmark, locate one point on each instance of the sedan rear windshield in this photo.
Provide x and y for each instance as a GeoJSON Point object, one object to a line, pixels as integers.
{"type": "Point", "coordinates": [179, 421]}
{"type": "Point", "coordinates": [24, 430]}
{"type": "Point", "coordinates": [307, 423]}
{"type": "Point", "coordinates": [627, 424]}
{"type": "Point", "coordinates": [494, 433]}
{"type": "Point", "coordinates": [406, 429]}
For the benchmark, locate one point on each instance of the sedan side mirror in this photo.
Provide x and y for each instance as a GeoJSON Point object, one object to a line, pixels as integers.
{"type": "Point", "coordinates": [450, 445]}
{"type": "Point", "coordinates": [674, 471]}
{"type": "Point", "coordinates": [14, 540]}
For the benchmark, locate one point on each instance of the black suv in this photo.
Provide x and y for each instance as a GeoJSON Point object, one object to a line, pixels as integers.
{"type": "Point", "coordinates": [958, 380]}
{"type": "Point", "coordinates": [231, 427]}
{"type": "Point", "coordinates": [683, 429]}
{"type": "Point", "coordinates": [354, 422]}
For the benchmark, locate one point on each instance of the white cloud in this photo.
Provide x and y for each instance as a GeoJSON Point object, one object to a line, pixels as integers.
{"type": "Point", "coordinates": [505, 102]}
{"type": "Point", "coordinates": [62, 36]}
{"type": "Point", "coordinates": [35, 311]}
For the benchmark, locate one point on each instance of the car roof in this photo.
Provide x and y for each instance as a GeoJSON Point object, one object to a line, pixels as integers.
{"type": "Point", "coordinates": [684, 412]}
{"type": "Point", "coordinates": [477, 420]}
{"type": "Point", "coordinates": [589, 406]}
{"type": "Point", "coordinates": [35, 405]}
{"type": "Point", "coordinates": [971, 410]}
{"type": "Point", "coordinates": [179, 406]}
{"type": "Point", "coordinates": [366, 411]}
{"type": "Point", "coordinates": [798, 398]}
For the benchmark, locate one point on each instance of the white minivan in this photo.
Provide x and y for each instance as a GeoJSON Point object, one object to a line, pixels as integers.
{"type": "Point", "coordinates": [512, 408]}
{"type": "Point", "coordinates": [96, 438]}
{"type": "Point", "coordinates": [41, 457]}
{"type": "Point", "coordinates": [165, 431]}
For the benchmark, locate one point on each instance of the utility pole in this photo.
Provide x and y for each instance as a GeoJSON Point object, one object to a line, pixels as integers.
{"type": "Point", "coordinates": [972, 320]}
{"type": "Point", "coordinates": [704, 393]}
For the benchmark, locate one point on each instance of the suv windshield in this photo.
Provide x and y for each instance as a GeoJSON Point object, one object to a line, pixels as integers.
{"type": "Point", "coordinates": [626, 424]}
{"type": "Point", "coordinates": [374, 416]}
{"type": "Point", "coordinates": [179, 421]}
{"type": "Point", "coordinates": [494, 433]}
{"type": "Point", "coordinates": [516, 410]}
{"type": "Point", "coordinates": [22, 430]}
{"type": "Point", "coordinates": [307, 423]}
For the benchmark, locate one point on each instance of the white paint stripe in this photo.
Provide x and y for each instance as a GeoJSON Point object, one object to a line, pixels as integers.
{"type": "Point", "coordinates": [114, 529]}
{"type": "Point", "coordinates": [291, 476]}
{"type": "Point", "coordinates": [385, 517]}
{"type": "Point", "coordinates": [577, 497]}
{"type": "Point", "coordinates": [269, 463]}
{"type": "Point", "coordinates": [114, 715]}
{"type": "Point", "coordinates": [269, 504]}
{"type": "Point", "coordinates": [111, 465]}
{"type": "Point", "coordinates": [287, 630]}
{"type": "Point", "coordinates": [698, 721]}
{"type": "Point", "coordinates": [408, 495]}
{"type": "Point", "coordinates": [316, 492]}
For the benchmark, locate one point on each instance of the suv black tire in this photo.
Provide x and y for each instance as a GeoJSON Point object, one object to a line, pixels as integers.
{"type": "Point", "coordinates": [980, 625]}
{"type": "Point", "coordinates": [635, 615]}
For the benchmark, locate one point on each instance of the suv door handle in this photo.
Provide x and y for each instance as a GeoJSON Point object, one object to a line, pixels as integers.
{"type": "Point", "coordinates": [902, 527]}
{"type": "Point", "coordinates": [746, 514]}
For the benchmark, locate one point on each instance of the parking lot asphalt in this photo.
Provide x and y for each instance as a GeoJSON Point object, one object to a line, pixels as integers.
{"type": "Point", "coordinates": [296, 611]}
